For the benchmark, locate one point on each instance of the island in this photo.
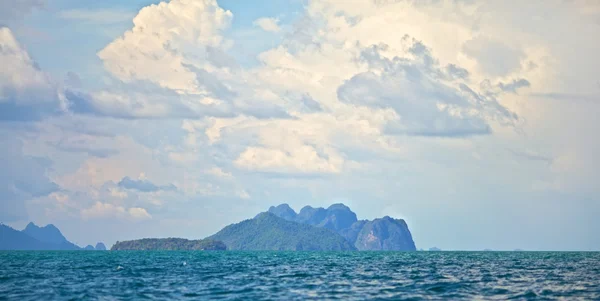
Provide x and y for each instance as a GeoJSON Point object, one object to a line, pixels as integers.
{"type": "Point", "coordinates": [269, 232]}
{"type": "Point", "coordinates": [169, 244]}
{"type": "Point", "coordinates": [380, 234]}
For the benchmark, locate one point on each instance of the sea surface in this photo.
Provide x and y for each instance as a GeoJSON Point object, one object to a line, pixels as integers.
{"type": "Point", "coordinates": [124, 275]}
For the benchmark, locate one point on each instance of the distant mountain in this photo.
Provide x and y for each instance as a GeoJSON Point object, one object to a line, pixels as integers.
{"type": "Point", "coordinates": [434, 249]}
{"type": "Point", "coordinates": [89, 248]}
{"type": "Point", "coordinates": [100, 247]}
{"type": "Point", "coordinates": [36, 238]}
{"type": "Point", "coordinates": [169, 244]}
{"type": "Point", "coordinates": [11, 239]}
{"type": "Point", "coordinates": [269, 232]}
{"type": "Point", "coordinates": [380, 234]}
{"type": "Point", "coordinates": [49, 234]}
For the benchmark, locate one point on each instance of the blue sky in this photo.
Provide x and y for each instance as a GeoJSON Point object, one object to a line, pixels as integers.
{"type": "Point", "coordinates": [475, 121]}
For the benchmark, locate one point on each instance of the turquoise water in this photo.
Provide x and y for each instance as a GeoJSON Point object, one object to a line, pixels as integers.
{"type": "Point", "coordinates": [298, 275]}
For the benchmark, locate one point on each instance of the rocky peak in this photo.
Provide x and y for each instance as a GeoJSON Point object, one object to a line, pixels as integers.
{"type": "Point", "coordinates": [48, 233]}
{"type": "Point", "coordinates": [284, 211]}
{"type": "Point", "coordinates": [100, 247]}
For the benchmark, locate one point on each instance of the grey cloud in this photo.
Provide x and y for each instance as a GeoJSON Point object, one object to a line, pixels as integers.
{"type": "Point", "coordinates": [514, 85]}
{"type": "Point", "coordinates": [144, 100]}
{"type": "Point", "coordinates": [456, 72]}
{"type": "Point", "coordinates": [427, 106]}
{"type": "Point", "coordinates": [139, 103]}
{"type": "Point", "coordinates": [26, 92]}
{"type": "Point", "coordinates": [144, 185]}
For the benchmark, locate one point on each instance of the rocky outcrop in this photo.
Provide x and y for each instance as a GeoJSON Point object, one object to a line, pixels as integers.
{"type": "Point", "coordinates": [385, 234]}
{"type": "Point", "coordinates": [379, 234]}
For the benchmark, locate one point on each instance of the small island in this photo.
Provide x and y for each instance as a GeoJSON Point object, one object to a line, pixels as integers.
{"type": "Point", "coordinates": [169, 244]}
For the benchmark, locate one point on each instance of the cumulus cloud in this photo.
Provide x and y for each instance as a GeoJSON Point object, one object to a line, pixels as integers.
{"type": "Point", "coordinates": [155, 49]}
{"type": "Point", "coordinates": [174, 64]}
{"type": "Point", "coordinates": [26, 92]}
{"type": "Point", "coordinates": [268, 24]}
{"type": "Point", "coordinates": [108, 211]}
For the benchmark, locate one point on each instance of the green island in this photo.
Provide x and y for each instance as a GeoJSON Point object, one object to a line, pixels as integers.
{"type": "Point", "coordinates": [269, 232]}
{"type": "Point", "coordinates": [169, 244]}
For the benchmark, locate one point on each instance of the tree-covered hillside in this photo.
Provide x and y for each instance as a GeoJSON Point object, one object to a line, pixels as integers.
{"type": "Point", "coordinates": [269, 232]}
{"type": "Point", "coordinates": [168, 244]}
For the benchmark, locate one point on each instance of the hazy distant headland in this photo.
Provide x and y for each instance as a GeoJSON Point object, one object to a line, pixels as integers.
{"type": "Point", "coordinates": [34, 237]}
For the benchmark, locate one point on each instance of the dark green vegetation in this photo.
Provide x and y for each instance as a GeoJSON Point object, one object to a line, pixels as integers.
{"type": "Point", "coordinates": [269, 232]}
{"type": "Point", "coordinates": [380, 234]}
{"type": "Point", "coordinates": [36, 238]}
{"type": "Point", "coordinates": [169, 244]}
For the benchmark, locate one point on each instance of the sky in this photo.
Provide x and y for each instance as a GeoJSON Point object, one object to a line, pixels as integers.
{"type": "Point", "coordinates": [475, 121]}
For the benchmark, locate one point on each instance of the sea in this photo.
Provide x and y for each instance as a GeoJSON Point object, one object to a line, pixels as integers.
{"type": "Point", "coordinates": [233, 275]}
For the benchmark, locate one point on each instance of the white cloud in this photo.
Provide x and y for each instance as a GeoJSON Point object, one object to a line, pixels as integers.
{"type": "Point", "coordinates": [139, 213]}
{"type": "Point", "coordinates": [304, 159]}
{"type": "Point", "coordinates": [163, 34]}
{"type": "Point", "coordinates": [218, 172]}
{"type": "Point", "coordinates": [268, 24]}
{"type": "Point", "coordinates": [26, 92]}
{"type": "Point", "coordinates": [108, 211]}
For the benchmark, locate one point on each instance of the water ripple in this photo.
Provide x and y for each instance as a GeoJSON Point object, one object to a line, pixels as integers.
{"type": "Point", "coordinates": [299, 275]}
